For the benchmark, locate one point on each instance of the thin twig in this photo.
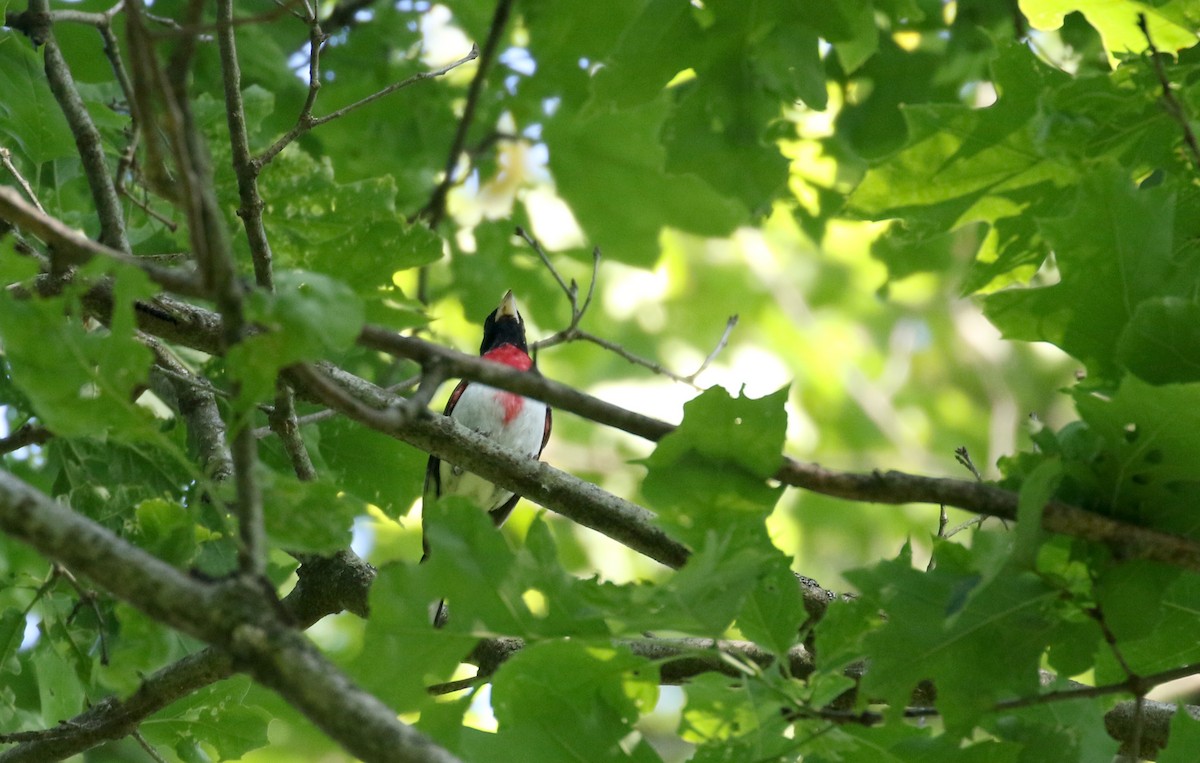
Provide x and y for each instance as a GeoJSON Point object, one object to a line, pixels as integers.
{"type": "Point", "coordinates": [286, 426]}
{"type": "Point", "coordinates": [1173, 106]}
{"type": "Point", "coordinates": [435, 209]}
{"type": "Point", "coordinates": [74, 248]}
{"type": "Point", "coordinates": [87, 598]}
{"type": "Point", "coordinates": [6, 160]}
{"type": "Point", "coordinates": [573, 333]}
{"type": "Point", "coordinates": [310, 122]}
{"type": "Point", "coordinates": [330, 413]}
{"type": "Point", "coordinates": [724, 340]}
{"type": "Point", "coordinates": [26, 435]}
{"type": "Point", "coordinates": [153, 753]}
{"type": "Point", "coordinates": [963, 457]}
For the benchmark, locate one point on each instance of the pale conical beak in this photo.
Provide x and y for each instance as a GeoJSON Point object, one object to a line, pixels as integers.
{"type": "Point", "coordinates": [508, 306]}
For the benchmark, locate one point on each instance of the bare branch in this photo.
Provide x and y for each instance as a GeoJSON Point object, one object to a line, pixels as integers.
{"type": "Point", "coordinates": [74, 248]}
{"type": "Point", "coordinates": [87, 140]}
{"type": "Point", "coordinates": [307, 123]}
{"type": "Point", "coordinates": [573, 333]}
{"type": "Point", "coordinates": [26, 435]}
{"type": "Point", "coordinates": [435, 209]}
{"type": "Point", "coordinates": [235, 615]}
{"type": "Point", "coordinates": [287, 427]}
{"type": "Point", "coordinates": [195, 399]}
{"type": "Point", "coordinates": [244, 166]}
{"type": "Point", "coordinates": [6, 160]}
{"type": "Point", "coordinates": [580, 501]}
{"type": "Point", "coordinates": [891, 487]}
{"type": "Point", "coordinates": [724, 340]}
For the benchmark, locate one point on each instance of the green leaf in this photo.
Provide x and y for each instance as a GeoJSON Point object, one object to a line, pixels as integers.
{"type": "Point", "coordinates": [1130, 596]}
{"type": "Point", "coordinates": [308, 317]}
{"type": "Point", "coordinates": [400, 627]}
{"type": "Point", "coordinates": [611, 168]}
{"type": "Point", "coordinates": [1185, 739]}
{"type": "Point", "coordinates": [377, 468]}
{"type": "Point", "coordinates": [1151, 438]}
{"type": "Point", "coordinates": [710, 473]}
{"type": "Point", "coordinates": [567, 700]}
{"type": "Point", "coordinates": [307, 516]}
{"type": "Point", "coordinates": [943, 625]}
{"type": "Point", "coordinates": [12, 629]}
{"type": "Point", "coordinates": [1114, 251]}
{"type": "Point", "coordinates": [62, 696]}
{"type": "Point", "coordinates": [30, 118]}
{"type": "Point", "coordinates": [1172, 24]}
{"type": "Point", "coordinates": [166, 529]}
{"type": "Point", "coordinates": [774, 610]}
{"type": "Point", "coordinates": [1161, 343]}
{"type": "Point", "coordinates": [746, 432]}
{"type": "Point", "coordinates": [80, 381]}
{"type": "Point", "coordinates": [735, 719]}
{"type": "Point", "coordinates": [1036, 492]}
{"type": "Point", "coordinates": [217, 715]}
{"type": "Point", "coordinates": [351, 231]}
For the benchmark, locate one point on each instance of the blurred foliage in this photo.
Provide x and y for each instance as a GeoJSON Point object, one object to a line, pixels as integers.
{"type": "Point", "coordinates": [942, 225]}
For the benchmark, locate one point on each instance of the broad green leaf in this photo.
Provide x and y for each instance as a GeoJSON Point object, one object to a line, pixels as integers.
{"type": "Point", "coordinates": [12, 629]}
{"type": "Point", "coordinates": [79, 380]}
{"type": "Point", "coordinates": [400, 627]}
{"type": "Point", "coordinates": [1036, 492]}
{"type": "Point", "coordinates": [734, 719]}
{"type": "Point", "coordinates": [1158, 640]}
{"type": "Point", "coordinates": [957, 158]}
{"type": "Point", "coordinates": [567, 700]}
{"type": "Point", "coordinates": [1161, 343]}
{"type": "Point", "coordinates": [612, 169]}
{"type": "Point", "coordinates": [307, 516]}
{"type": "Point", "coordinates": [62, 695]}
{"type": "Point", "coordinates": [1114, 251]}
{"type": "Point", "coordinates": [218, 716]}
{"type": "Point", "coordinates": [1151, 442]}
{"type": "Point", "coordinates": [774, 611]}
{"type": "Point", "coordinates": [1184, 744]}
{"type": "Point", "coordinates": [1172, 24]}
{"type": "Point", "coordinates": [166, 529]}
{"type": "Point", "coordinates": [30, 119]}
{"type": "Point", "coordinates": [1130, 597]}
{"type": "Point", "coordinates": [711, 472]}
{"type": "Point", "coordinates": [746, 432]}
{"type": "Point", "coordinates": [664, 40]}
{"type": "Point", "coordinates": [348, 230]}
{"type": "Point", "coordinates": [308, 317]}
{"type": "Point", "coordinates": [943, 624]}
{"type": "Point", "coordinates": [376, 468]}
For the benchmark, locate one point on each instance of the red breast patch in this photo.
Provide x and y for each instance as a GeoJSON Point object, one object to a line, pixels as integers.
{"type": "Point", "coordinates": [512, 405]}
{"type": "Point", "coordinates": [510, 356]}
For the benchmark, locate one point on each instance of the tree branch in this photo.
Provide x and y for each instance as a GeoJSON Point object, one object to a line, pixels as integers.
{"type": "Point", "coordinates": [580, 501]}
{"type": "Point", "coordinates": [435, 209]}
{"type": "Point", "coordinates": [891, 487]}
{"type": "Point", "coordinates": [326, 585]}
{"type": "Point", "coordinates": [87, 140]}
{"type": "Point", "coordinates": [307, 121]}
{"type": "Point", "coordinates": [235, 615]}
{"type": "Point", "coordinates": [244, 167]}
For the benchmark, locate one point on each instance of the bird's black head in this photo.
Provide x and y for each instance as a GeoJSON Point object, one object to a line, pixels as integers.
{"type": "Point", "coordinates": [504, 326]}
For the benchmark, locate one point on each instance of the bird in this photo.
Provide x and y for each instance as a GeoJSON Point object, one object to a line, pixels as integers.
{"type": "Point", "coordinates": [517, 423]}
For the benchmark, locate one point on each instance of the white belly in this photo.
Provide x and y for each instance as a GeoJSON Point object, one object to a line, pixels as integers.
{"type": "Point", "coordinates": [484, 409]}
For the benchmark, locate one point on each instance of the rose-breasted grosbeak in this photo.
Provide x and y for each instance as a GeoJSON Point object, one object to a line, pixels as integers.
{"type": "Point", "coordinates": [517, 423]}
